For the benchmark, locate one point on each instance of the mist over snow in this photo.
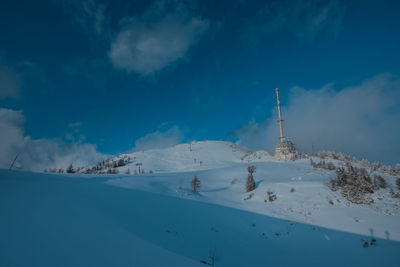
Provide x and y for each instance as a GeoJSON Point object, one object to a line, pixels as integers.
{"type": "Point", "coordinates": [160, 139]}
{"type": "Point", "coordinates": [361, 120]}
{"type": "Point", "coordinates": [38, 154]}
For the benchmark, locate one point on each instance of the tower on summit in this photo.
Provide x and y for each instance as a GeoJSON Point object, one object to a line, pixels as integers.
{"type": "Point", "coordinates": [285, 149]}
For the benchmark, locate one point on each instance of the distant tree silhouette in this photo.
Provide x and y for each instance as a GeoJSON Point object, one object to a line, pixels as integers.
{"type": "Point", "coordinates": [70, 169]}
{"type": "Point", "coordinates": [195, 184]}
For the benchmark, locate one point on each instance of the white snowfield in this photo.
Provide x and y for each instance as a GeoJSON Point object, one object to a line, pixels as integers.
{"type": "Point", "coordinates": [156, 220]}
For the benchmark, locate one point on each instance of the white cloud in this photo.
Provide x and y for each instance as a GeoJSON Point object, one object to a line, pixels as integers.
{"type": "Point", "coordinates": [163, 35]}
{"type": "Point", "coordinates": [160, 139]}
{"type": "Point", "coordinates": [11, 135]}
{"type": "Point", "coordinates": [361, 120]}
{"type": "Point", "coordinates": [303, 19]}
{"type": "Point", "coordinates": [36, 155]}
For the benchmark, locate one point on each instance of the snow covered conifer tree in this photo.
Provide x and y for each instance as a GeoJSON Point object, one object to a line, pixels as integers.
{"type": "Point", "coordinates": [195, 184]}
{"type": "Point", "coordinates": [250, 183]}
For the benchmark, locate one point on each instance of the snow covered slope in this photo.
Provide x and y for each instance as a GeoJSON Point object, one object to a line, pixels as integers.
{"type": "Point", "coordinates": [155, 219]}
{"type": "Point", "coordinates": [311, 202]}
{"type": "Point", "coordinates": [188, 157]}
{"type": "Point", "coordinates": [65, 220]}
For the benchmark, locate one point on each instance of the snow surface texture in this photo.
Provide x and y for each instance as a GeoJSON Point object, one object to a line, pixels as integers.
{"type": "Point", "coordinates": [155, 219]}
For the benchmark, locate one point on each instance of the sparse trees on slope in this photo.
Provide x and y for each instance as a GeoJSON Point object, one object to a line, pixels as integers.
{"type": "Point", "coordinates": [250, 183]}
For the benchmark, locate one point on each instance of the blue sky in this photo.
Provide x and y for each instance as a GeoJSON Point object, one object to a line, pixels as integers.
{"type": "Point", "coordinates": [112, 73]}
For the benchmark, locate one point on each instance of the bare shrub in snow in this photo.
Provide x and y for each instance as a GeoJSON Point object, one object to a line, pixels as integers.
{"type": "Point", "coordinates": [271, 196]}
{"type": "Point", "coordinates": [195, 184]}
{"type": "Point", "coordinates": [398, 183]}
{"type": "Point", "coordinates": [234, 181]}
{"type": "Point", "coordinates": [355, 184]}
{"type": "Point", "coordinates": [291, 190]}
{"type": "Point", "coordinates": [379, 182]}
{"type": "Point", "coordinates": [249, 196]}
{"type": "Point", "coordinates": [250, 183]}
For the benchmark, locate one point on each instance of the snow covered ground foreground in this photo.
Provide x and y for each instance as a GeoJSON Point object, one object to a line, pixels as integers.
{"type": "Point", "coordinates": [155, 219]}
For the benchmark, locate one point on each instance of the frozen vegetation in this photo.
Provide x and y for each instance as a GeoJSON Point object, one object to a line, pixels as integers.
{"type": "Point", "coordinates": [188, 205]}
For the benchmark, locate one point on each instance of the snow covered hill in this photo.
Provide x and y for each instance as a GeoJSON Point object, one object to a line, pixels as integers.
{"type": "Point", "coordinates": [184, 157]}
{"type": "Point", "coordinates": [154, 219]}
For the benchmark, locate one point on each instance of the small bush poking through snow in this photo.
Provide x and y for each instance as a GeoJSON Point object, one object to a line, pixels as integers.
{"type": "Point", "coordinates": [249, 196]}
{"type": "Point", "coordinates": [398, 183]}
{"type": "Point", "coordinates": [271, 196]}
{"type": "Point", "coordinates": [195, 184]}
{"type": "Point", "coordinates": [250, 183]}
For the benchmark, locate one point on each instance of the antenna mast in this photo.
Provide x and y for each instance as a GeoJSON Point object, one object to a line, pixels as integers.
{"type": "Point", "coordinates": [280, 115]}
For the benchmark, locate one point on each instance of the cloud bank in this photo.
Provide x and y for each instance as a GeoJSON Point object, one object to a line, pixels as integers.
{"type": "Point", "coordinates": [158, 38]}
{"type": "Point", "coordinates": [38, 154]}
{"type": "Point", "coordinates": [160, 139]}
{"type": "Point", "coordinates": [361, 120]}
